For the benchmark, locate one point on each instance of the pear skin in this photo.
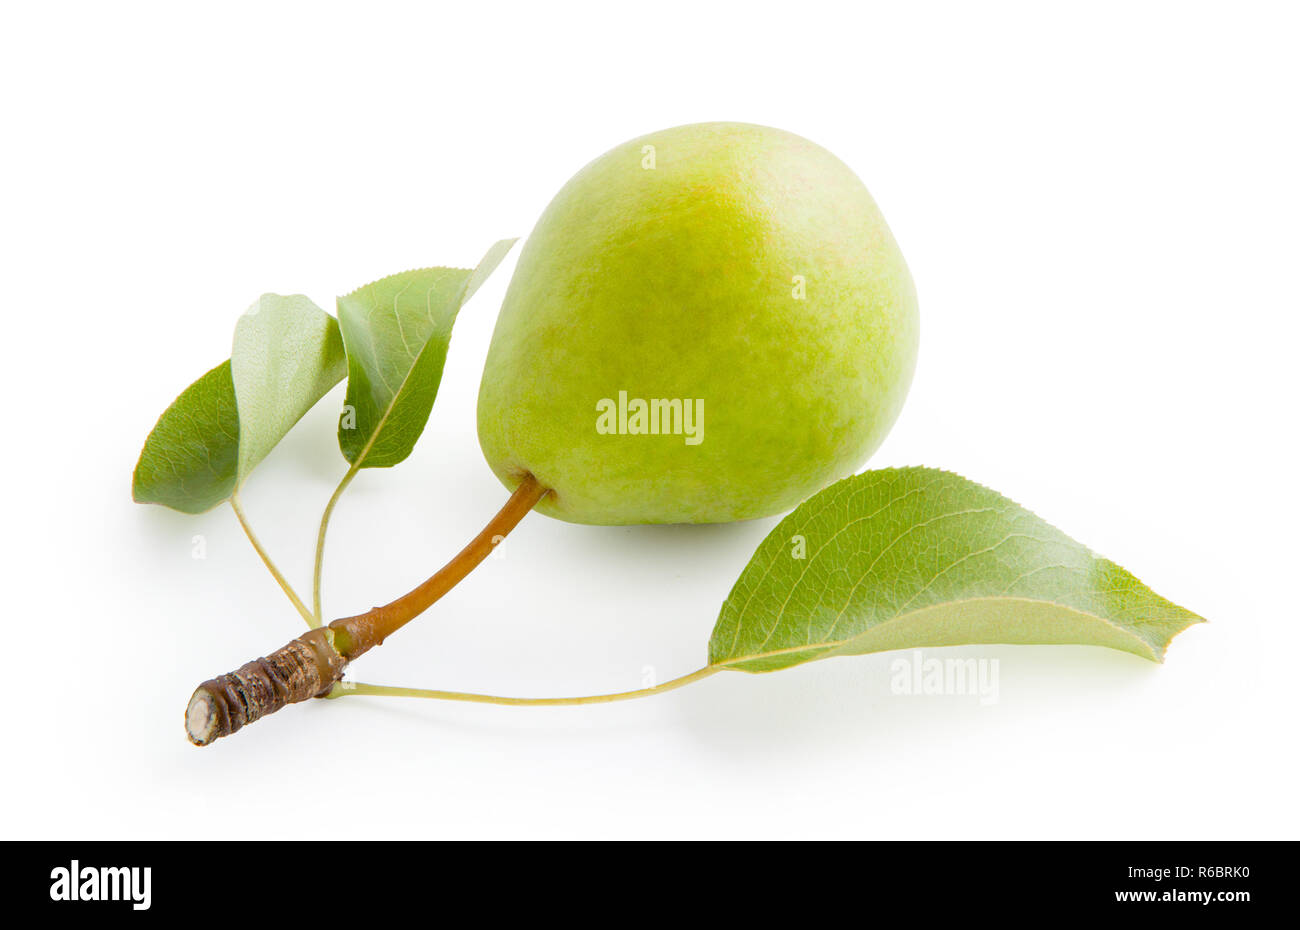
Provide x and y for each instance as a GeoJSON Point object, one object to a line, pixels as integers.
{"type": "Point", "coordinates": [708, 323]}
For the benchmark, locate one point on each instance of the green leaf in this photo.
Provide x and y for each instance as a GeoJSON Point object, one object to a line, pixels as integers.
{"type": "Point", "coordinates": [914, 557]}
{"type": "Point", "coordinates": [397, 331]}
{"type": "Point", "coordinates": [287, 355]}
{"type": "Point", "coordinates": [189, 460]}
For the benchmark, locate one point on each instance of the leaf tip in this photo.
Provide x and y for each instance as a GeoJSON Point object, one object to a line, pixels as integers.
{"type": "Point", "coordinates": [1189, 621]}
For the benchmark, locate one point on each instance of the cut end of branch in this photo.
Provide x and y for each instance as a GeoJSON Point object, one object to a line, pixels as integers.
{"type": "Point", "coordinates": [201, 718]}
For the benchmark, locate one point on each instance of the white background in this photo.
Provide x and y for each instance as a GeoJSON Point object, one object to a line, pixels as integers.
{"type": "Point", "coordinates": [1099, 204]}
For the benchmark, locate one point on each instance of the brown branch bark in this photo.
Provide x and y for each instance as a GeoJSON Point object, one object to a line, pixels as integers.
{"type": "Point", "coordinates": [306, 667]}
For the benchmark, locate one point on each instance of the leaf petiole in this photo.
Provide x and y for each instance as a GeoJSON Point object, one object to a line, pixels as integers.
{"type": "Point", "coordinates": [270, 565]}
{"type": "Point", "coordinates": [345, 688]}
{"type": "Point", "coordinates": [316, 610]}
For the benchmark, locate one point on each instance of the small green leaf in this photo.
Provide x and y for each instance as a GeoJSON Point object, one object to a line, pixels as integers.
{"type": "Point", "coordinates": [397, 331]}
{"type": "Point", "coordinates": [189, 460]}
{"type": "Point", "coordinates": [915, 557]}
{"type": "Point", "coordinates": [287, 355]}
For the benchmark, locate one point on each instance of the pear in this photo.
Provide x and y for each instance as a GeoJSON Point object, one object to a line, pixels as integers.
{"type": "Point", "coordinates": [708, 323]}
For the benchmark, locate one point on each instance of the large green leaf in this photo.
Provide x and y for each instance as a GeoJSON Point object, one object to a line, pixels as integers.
{"type": "Point", "coordinates": [287, 355]}
{"type": "Point", "coordinates": [397, 331]}
{"type": "Point", "coordinates": [915, 557]}
{"type": "Point", "coordinates": [189, 460]}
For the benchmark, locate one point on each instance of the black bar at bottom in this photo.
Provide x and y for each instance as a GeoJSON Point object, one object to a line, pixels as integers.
{"type": "Point", "coordinates": [324, 883]}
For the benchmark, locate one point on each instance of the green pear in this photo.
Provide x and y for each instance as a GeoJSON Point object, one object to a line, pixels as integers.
{"type": "Point", "coordinates": [709, 323]}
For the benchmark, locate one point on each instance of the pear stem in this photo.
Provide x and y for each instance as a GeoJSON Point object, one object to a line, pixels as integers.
{"type": "Point", "coordinates": [345, 688]}
{"type": "Point", "coordinates": [355, 635]}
